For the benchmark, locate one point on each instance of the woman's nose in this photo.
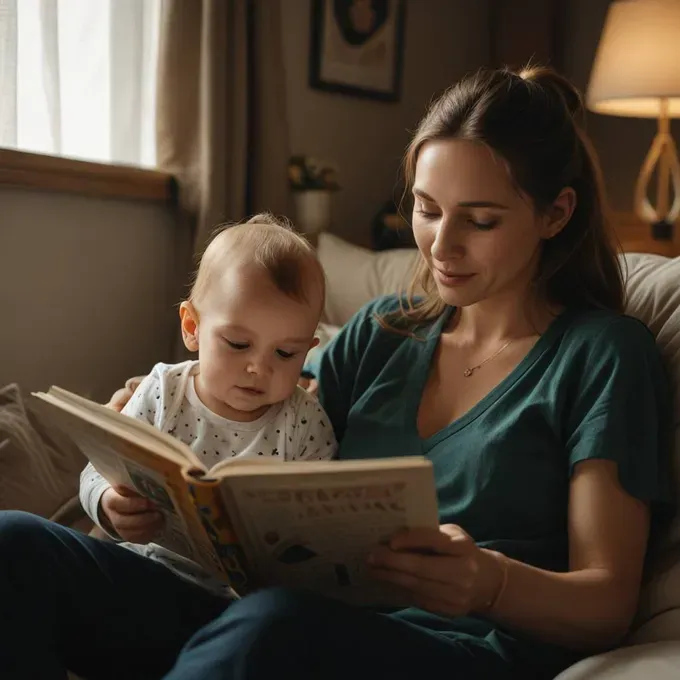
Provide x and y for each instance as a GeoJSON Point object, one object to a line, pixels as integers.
{"type": "Point", "coordinates": [448, 242]}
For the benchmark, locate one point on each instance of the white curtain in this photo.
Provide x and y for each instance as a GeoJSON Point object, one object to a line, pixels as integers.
{"type": "Point", "coordinates": [78, 78]}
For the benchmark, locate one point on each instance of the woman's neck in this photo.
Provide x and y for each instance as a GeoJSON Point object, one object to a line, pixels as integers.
{"type": "Point", "coordinates": [501, 319]}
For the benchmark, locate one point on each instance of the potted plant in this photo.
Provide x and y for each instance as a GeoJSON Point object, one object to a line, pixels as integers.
{"type": "Point", "coordinates": [313, 184]}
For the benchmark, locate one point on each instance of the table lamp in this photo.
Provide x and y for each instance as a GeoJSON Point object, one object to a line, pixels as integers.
{"type": "Point", "coordinates": [636, 73]}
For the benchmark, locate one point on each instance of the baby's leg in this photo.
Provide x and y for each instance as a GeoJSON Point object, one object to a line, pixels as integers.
{"type": "Point", "coordinates": [68, 600]}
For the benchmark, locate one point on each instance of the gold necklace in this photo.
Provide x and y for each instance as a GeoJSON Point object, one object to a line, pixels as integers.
{"type": "Point", "coordinates": [471, 369]}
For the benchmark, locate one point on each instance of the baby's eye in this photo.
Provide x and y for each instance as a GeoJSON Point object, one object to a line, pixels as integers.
{"type": "Point", "coordinates": [236, 345]}
{"type": "Point", "coordinates": [285, 355]}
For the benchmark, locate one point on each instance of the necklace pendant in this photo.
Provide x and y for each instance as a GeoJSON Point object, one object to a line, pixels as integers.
{"type": "Point", "coordinates": [468, 372]}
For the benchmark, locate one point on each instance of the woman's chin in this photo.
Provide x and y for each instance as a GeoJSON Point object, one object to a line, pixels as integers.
{"type": "Point", "coordinates": [457, 298]}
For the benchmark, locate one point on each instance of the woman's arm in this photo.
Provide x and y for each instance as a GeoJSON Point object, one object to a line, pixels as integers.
{"type": "Point", "coordinates": [593, 604]}
{"type": "Point", "coordinates": [589, 607]}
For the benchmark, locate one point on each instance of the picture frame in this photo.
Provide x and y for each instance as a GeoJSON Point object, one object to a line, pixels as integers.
{"type": "Point", "coordinates": [357, 47]}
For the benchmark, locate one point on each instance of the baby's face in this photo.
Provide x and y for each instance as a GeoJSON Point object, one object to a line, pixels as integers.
{"type": "Point", "coordinates": [253, 341]}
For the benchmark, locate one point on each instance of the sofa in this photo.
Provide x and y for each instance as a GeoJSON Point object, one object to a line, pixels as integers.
{"type": "Point", "coordinates": [40, 470]}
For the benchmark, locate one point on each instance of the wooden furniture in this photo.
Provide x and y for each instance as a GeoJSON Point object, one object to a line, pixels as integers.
{"type": "Point", "coordinates": [635, 236]}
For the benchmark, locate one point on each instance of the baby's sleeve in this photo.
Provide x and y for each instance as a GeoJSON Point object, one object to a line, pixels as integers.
{"type": "Point", "coordinates": [314, 438]}
{"type": "Point", "coordinates": [92, 488]}
{"type": "Point", "coordinates": [145, 404]}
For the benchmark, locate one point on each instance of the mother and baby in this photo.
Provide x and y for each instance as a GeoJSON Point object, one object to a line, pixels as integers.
{"type": "Point", "coordinates": [511, 371]}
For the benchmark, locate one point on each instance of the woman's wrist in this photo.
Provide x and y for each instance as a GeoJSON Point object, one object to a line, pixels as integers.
{"type": "Point", "coordinates": [493, 578]}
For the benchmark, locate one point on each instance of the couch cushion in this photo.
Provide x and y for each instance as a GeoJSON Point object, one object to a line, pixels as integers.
{"type": "Point", "coordinates": [653, 287]}
{"type": "Point", "coordinates": [39, 468]}
{"type": "Point", "coordinates": [658, 661]}
{"type": "Point", "coordinates": [357, 275]}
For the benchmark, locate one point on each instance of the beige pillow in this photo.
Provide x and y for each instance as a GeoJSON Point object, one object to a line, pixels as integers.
{"type": "Point", "coordinates": [39, 468]}
{"type": "Point", "coordinates": [357, 275]}
{"type": "Point", "coordinates": [653, 287]}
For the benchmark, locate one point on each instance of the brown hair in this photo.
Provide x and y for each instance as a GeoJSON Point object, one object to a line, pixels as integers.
{"type": "Point", "coordinates": [532, 120]}
{"type": "Point", "coordinates": [270, 242]}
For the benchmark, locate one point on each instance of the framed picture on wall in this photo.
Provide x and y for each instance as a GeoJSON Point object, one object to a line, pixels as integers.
{"type": "Point", "coordinates": [357, 47]}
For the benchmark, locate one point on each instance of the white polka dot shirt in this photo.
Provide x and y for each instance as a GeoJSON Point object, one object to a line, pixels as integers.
{"type": "Point", "coordinates": [296, 429]}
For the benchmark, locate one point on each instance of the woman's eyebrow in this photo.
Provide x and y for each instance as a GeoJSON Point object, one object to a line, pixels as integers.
{"type": "Point", "coordinates": [463, 204]}
{"type": "Point", "coordinates": [482, 204]}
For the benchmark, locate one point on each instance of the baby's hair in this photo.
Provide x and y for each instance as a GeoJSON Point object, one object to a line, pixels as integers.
{"type": "Point", "coordinates": [270, 242]}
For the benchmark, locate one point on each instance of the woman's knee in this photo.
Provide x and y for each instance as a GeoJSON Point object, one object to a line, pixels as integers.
{"type": "Point", "coordinates": [273, 613]}
{"type": "Point", "coordinates": [21, 530]}
{"type": "Point", "coordinates": [273, 606]}
{"type": "Point", "coordinates": [260, 634]}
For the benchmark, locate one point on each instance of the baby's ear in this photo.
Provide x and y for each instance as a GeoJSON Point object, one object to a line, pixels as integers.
{"type": "Point", "coordinates": [189, 324]}
{"type": "Point", "coordinates": [314, 343]}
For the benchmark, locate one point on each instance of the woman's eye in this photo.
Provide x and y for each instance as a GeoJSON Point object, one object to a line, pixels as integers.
{"type": "Point", "coordinates": [427, 215]}
{"type": "Point", "coordinates": [236, 345]}
{"type": "Point", "coordinates": [285, 355]}
{"type": "Point", "coordinates": [484, 226]}
{"type": "Point", "coordinates": [427, 211]}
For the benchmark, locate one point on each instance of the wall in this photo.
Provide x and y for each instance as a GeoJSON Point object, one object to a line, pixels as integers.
{"type": "Point", "coordinates": [622, 143]}
{"type": "Point", "coordinates": [443, 40]}
{"type": "Point", "coordinates": [87, 288]}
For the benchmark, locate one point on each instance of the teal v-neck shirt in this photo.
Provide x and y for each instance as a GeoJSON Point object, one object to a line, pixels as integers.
{"type": "Point", "coordinates": [593, 386]}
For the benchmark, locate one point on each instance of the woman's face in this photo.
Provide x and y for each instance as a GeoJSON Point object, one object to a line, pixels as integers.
{"type": "Point", "coordinates": [480, 237]}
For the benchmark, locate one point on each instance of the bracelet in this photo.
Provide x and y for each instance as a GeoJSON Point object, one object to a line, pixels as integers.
{"type": "Point", "coordinates": [502, 560]}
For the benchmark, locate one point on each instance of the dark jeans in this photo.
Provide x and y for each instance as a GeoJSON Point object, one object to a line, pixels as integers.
{"type": "Point", "coordinates": [71, 601]}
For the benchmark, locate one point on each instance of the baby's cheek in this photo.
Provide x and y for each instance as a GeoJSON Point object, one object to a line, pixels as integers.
{"type": "Point", "coordinates": [288, 375]}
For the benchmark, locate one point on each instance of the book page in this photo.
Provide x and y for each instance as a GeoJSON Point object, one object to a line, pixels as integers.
{"type": "Point", "coordinates": [131, 429]}
{"type": "Point", "coordinates": [126, 462]}
{"type": "Point", "coordinates": [316, 531]}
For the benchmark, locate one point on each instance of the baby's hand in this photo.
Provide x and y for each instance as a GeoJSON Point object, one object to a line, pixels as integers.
{"type": "Point", "coordinates": [133, 517]}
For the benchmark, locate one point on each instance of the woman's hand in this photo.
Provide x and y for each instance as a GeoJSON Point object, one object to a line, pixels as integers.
{"type": "Point", "coordinates": [309, 384]}
{"type": "Point", "coordinates": [123, 395]}
{"type": "Point", "coordinates": [443, 570]}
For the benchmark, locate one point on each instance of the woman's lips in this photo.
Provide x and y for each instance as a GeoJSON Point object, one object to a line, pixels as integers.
{"type": "Point", "coordinates": [451, 279]}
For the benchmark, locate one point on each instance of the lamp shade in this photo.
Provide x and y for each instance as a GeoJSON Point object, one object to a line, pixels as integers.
{"type": "Point", "coordinates": [637, 62]}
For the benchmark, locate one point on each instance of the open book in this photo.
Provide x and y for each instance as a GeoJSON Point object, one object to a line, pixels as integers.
{"type": "Point", "coordinates": [255, 523]}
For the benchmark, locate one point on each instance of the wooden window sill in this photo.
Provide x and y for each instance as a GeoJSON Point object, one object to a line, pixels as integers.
{"type": "Point", "coordinates": [66, 175]}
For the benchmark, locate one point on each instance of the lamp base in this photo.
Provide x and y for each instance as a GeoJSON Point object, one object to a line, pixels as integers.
{"type": "Point", "coordinates": [662, 230]}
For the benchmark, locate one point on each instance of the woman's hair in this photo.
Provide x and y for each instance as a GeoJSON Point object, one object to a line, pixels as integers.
{"type": "Point", "coordinates": [270, 242]}
{"type": "Point", "coordinates": [531, 120]}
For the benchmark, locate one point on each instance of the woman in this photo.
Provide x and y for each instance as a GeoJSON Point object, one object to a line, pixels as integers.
{"type": "Point", "coordinates": [514, 374]}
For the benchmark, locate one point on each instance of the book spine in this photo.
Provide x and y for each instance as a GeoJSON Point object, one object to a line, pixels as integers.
{"type": "Point", "coordinates": [220, 531]}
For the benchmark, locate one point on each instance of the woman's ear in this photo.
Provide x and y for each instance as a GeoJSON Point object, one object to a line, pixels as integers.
{"type": "Point", "coordinates": [189, 323]}
{"type": "Point", "coordinates": [559, 213]}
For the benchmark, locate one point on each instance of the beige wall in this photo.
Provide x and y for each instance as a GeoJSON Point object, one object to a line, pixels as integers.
{"type": "Point", "coordinates": [443, 40]}
{"type": "Point", "coordinates": [622, 143]}
{"type": "Point", "coordinates": [87, 288]}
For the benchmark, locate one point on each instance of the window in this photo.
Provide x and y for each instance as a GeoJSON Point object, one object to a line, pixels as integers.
{"type": "Point", "coordinates": [78, 78]}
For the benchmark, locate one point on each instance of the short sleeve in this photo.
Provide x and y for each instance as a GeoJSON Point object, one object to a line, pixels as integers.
{"type": "Point", "coordinates": [314, 438]}
{"type": "Point", "coordinates": [622, 410]}
{"type": "Point", "coordinates": [147, 400]}
{"type": "Point", "coordinates": [337, 365]}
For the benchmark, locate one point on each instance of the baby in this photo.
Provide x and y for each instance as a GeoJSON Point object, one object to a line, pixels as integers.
{"type": "Point", "coordinates": [251, 316]}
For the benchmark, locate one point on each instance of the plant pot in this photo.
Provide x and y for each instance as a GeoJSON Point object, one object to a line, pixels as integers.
{"type": "Point", "coordinates": [313, 211]}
